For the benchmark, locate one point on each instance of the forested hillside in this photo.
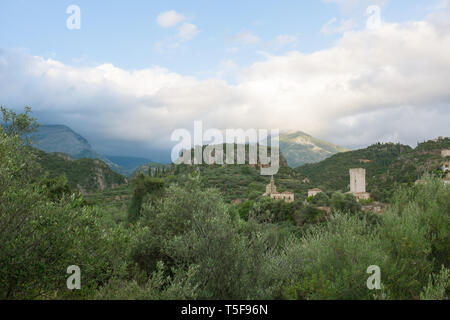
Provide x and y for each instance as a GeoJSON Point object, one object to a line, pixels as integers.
{"type": "Point", "coordinates": [235, 182]}
{"type": "Point", "coordinates": [86, 175]}
{"type": "Point", "coordinates": [387, 166]}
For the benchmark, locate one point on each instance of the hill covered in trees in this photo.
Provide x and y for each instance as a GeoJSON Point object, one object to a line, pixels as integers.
{"type": "Point", "coordinates": [86, 175]}
{"type": "Point", "coordinates": [234, 181]}
{"type": "Point", "coordinates": [387, 166]}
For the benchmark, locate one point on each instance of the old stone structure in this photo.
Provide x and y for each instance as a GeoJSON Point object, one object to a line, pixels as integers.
{"type": "Point", "coordinates": [376, 207]}
{"type": "Point", "coordinates": [313, 192]}
{"type": "Point", "coordinates": [358, 183]}
{"type": "Point", "coordinates": [271, 191]}
{"type": "Point", "coordinates": [445, 153]}
{"type": "Point", "coordinates": [271, 188]}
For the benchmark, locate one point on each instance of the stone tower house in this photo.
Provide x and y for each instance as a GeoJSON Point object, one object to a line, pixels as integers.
{"type": "Point", "coordinates": [357, 180]}
{"type": "Point", "coordinates": [358, 183]}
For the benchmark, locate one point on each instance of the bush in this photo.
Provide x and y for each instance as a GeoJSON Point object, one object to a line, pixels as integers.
{"type": "Point", "coordinates": [191, 228]}
{"type": "Point", "coordinates": [330, 261]}
{"type": "Point", "coordinates": [407, 243]}
{"type": "Point", "coordinates": [345, 203]}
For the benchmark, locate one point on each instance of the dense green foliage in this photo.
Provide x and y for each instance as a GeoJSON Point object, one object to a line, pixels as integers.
{"type": "Point", "coordinates": [43, 232]}
{"type": "Point", "coordinates": [143, 186]}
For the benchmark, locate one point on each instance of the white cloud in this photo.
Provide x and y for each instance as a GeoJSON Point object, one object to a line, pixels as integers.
{"type": "Point", "coordinates": [330, 27]}
{"type": "Point", "coordinates": [169, 18]}
{"type": "Point", "coordinates": [387, 83]}
{"type": "Point", "coordinates": [227, 67]}
{"type": "Point", "coordinates": [187, 31]}
{"type": "Point", "coordinates": [284, 40]}
{"type": "Point", "coordinates": [441, 17]}
{"type": "Point", "coordinates": [245, 38]}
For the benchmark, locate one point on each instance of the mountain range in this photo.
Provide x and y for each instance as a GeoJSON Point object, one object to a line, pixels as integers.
{"type": "Point", "coordinates": [62, 139]}
{"type": "Point", "coordinates": [387, 165]}
{"type": "Point", "coordinates": [297, 147]}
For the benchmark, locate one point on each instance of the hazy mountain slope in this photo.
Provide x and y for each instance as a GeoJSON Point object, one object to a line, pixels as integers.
{"type": "Point", "coordinates": [60, 138]}
{"type": "Point", "coordinates": [129, 163]}
{"type": "Point", "coordinates": [300, 148]}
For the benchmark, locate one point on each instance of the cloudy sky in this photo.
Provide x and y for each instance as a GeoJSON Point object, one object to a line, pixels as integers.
{"type": "Point", "coordinates": [353, 72]}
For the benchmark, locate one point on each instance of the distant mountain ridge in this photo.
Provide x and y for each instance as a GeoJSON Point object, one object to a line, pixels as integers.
{"type": "Point", "coordinates": [300, 148]}
{"type": "Point", "coordinates": [62, 139]}
{"type": "Point", "coordinates": [129, 163]}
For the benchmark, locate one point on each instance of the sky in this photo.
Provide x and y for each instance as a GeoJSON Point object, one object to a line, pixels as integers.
{"type": "Point", "coordinates": [352, 72]}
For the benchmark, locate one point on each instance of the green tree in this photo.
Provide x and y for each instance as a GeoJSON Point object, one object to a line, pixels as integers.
{"type": "Point", "coordinates": [345, 202]}
{"type": "Point", "coordinates": [21, 124]}
{"type": "Point", "coordinates": [142, 186]}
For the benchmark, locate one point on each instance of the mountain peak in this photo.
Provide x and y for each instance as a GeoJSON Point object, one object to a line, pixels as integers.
{"type": "Point", "coordinates": [60, 138]}
{"type": "Point", "coordinates": [301, 148]}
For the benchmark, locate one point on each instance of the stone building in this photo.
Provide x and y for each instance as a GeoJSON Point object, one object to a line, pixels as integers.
{"type": "Point", "coordinates": [358, 183]}
{"type": "Point", "coordinates": [445, 153]}
{"type": "Point", "coordinates": [271, 191]}
{"type": "Point", "coordinates": [313, 192]}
